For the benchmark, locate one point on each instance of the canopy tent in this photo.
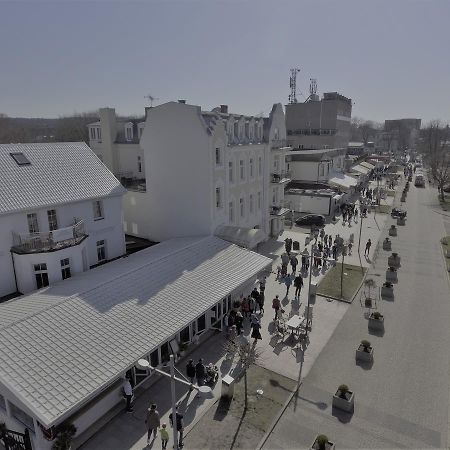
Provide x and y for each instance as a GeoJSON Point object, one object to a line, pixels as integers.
{"type": "Point", "coordinates": [343, 181]}
{"type": "Point", "coordinates": [244, 237]}
{"type": "Point", "coordinates": [360, 169]}
{"type": "Point", "coordinates": [367, 165]}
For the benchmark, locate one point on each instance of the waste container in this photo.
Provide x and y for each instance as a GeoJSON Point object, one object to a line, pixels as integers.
{"type": "Point", "coordinates": [227, 386]}
{"type": "Point", "coordinates": [296, 245]}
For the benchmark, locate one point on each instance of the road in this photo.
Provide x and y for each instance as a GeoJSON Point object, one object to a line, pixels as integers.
{"type": "Point", "coordinates": [402, 401]}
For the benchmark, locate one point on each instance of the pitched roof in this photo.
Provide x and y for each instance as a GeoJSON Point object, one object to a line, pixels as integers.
{"type": "Point", "coordinates": [58, 173]}
{"type": "Point", "coordinates": [56, 356]}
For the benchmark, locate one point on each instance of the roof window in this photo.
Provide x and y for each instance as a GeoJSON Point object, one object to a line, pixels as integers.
{"type": "Point", "coordinates": [20, 159]}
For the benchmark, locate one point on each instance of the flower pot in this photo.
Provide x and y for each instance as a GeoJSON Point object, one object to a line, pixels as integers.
{"type": "Point", "coordinates": [391, 275]}
{"type": "Point", "coordinates": [394, 261]}
{"type": "Point", "coordinates": [393, 231]}
{"type": "Point", "coordinates": [387, 291]}
{"type": "Point", "coordinates": [387, 245]}
{"type": "Point", "coordinates": [401, 221]}
{"type": "Point", "coordinates": [376, 324]}
{"type": "Point", "coordinates": [346, 404]}
{"type": "Point", "coordinates": [363, 356]}
{"type": "Point", "coordinates": [329, 446]}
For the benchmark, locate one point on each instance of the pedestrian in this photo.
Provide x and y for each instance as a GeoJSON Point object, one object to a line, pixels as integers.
{"type": "Point", "coordinates": [284, 259]}
{"type": "Point", "coordinates": [334, 251]}
{"type": "Point", "coordinates": [256, 333]}
{"type": "Point", "coordinates": [298, 283]}
{"type": "Point", "coordinates": [128, 392]}
{"type": "Point", "coordinates": [255, 295]}
{"type": "Point", "coordinates": [245, 307]}
{"type": "Point", "coordinates": [164, 436]}
{"type": "Point", "coordinates": [226, 322]}
{"type": "Point", "coordinates": [239, 322]}
{"type": "Point", "coordinates": [320, 247]}
{"type": "Point", "coordinates": [276, 305]}
{"type": "Point", "coordinates": [367, 250]}
{"type": "Point", "coordinates": [179, 425]}
{"type": "Point", "coordinates": [252, 303]}
{"type": "Point", "coordinates": [190, 372]}
{"type": "Point", "coordinates": [350, 246]}
{"type": "Point", "coordinates": [303, 262]}
{"type": "Point", "coordinates": [322, 234]}
{"type": "Point", "coordinates": [153, 422]}
{"type": "Point", "coordinates": [294, 263]}
{"type": "Point", "coordinates": [261, 303]}
{"type": "Point", "coordinates": [262, 285]}
{"type": "Point", "coordinates": [287, 282]}
{"type": "Point", "coordinates": [330, 240]}
{"type": "Point", "coordinates": [325, 239]}
{"type": "Point", "coordinates": [200, 372]}
{"type": "Point", "coordinates": [288, 245]}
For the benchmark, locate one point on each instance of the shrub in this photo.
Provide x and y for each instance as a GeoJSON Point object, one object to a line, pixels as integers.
{"type": "Point", "coordinates": [343, 389]}
{"type": "Point", "coordinates": [366, 344]}
{"type": "Point", "coordinates": [377, 315]}
{"type": "Point", "coordinates": [322, 441]}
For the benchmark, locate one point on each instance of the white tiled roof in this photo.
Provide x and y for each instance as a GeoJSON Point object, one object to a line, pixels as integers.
{"type": "Point", "coordinates": [59, 173]}
{"type": "Point", "coordinates": [57, 356]}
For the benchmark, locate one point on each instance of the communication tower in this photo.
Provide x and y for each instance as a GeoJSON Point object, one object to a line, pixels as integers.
{"type": "Point", "coordinates": [293, 85]}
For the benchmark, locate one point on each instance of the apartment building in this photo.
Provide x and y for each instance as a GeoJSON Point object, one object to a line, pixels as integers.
{"type": "Point", "coordinates": [207, 170]}
{"type": "Point", "coordinates": [399, 135]}
{"type": "Point", "coordinates": [318, 124]}
{"type": "Point", "coordinates": [60, 214]}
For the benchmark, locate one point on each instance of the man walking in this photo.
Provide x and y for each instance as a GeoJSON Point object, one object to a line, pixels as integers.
{"type": "Point", "coordinates": [200, 372]}
{"type": "Point", "coordinates": [128, 390]}
{"type": "Point", "coordinates": [298, 283]}
{"type": "Point", "coordinates": [367, 250]}
{"type": "Point", "coordinates": [179, 424]}
{"type": "Point", "coordinates": [190, 372]}
{"type": "Point", "coordinates": [276, 305]}
{"type": "Point", "coordinates": [294, 263]}
{"type": "Point", "coordinates": [288, 282]}
{"type": "Point", "coordinates": [153, 422]}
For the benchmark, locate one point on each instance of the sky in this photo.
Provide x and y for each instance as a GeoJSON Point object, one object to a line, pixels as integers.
{"type": "Point", "coordinates": [390, 56]}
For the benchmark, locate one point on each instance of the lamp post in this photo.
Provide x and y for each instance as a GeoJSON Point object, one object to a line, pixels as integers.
{"type": "Point", "coordinates": [144, 364]}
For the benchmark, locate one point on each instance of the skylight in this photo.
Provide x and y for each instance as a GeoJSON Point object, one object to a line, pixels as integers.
{"type": "Point", "coordinates": [20, 159]}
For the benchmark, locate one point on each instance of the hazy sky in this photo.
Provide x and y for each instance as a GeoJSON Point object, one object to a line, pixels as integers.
{"type": "Point", "coordinates": [390, 56]}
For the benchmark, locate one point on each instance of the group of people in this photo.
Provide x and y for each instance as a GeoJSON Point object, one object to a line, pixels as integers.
{"type": "Point", "coordinates": [349, 211]}
{"type": "Point", "coordinates": [153, 422]}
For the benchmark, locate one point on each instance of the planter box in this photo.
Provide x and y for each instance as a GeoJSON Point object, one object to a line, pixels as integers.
{"type": "Point", "coordinates": [376, 324]}
{"type": "Point", "coordinates": [329, 446]}
{"type": "Point", "coordinates": [344, 404]}
{"type": "Point", "coordinates": [391, 276]}
{"type": "Point", "coordinates": [393, 231]}
{"type": "Point", "coordinates": [387, 292]}
{"type": "Point", "coordinates": [387, 245]}
{"type": "Point", "coordinates": [394, 261]}
{"type": "Point", "coordinates": [401, 221]}
{"type": "Point", "coordinates": [364, 356]}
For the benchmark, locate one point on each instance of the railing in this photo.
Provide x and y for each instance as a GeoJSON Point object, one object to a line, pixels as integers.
{"type": "Point", "coordinates": [53, 240]}
{"type": "Point", "coordinates": [280, 177]}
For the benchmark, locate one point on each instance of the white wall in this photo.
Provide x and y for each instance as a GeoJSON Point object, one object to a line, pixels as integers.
{"type": "Point", "coordinates": [128, 159]}
{"type": "Point", "coordinates": [306, 171]}
{"type": "Point", "coordinates": [137, 215]}
{"type": "Point", "coordinates": [309, 204]}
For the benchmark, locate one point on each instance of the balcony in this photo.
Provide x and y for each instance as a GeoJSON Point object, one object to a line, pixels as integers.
{"type": "Point", "coordinates": [278, 211]}
{"type": "Point", "coordinates": [279, 144]}
{"type": "Point", "coordinates": [49, 242]}
{"type": "Point", "coordinates": [132, 183]}
{"type": "Point", "coordinates": [280, 177]}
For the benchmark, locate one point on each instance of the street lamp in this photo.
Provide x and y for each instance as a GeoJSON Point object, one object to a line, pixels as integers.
{"type": "Point", "coordinates": [204, 390]}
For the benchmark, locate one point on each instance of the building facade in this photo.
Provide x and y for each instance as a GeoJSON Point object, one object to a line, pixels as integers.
{"type": "Point", "coordinates": [60, 214]}
{"type": "Point", "coordinates": [399, 135]}
{"type": "Point", "coordinates": [318, 124]}
{"type": "Point", "coordinates": [209, 169]}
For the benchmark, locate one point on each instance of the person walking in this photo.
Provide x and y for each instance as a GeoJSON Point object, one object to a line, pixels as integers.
{"type": "Point", "coordinates": [153, 422]}
{"type": "Point", "coordinates": [239, 320]}
{"type": "Point", "coordinates": [298, 283]}
{"type": "Point", "coordinates": [294, 264]}
{"type": "Point", "coordinates": [330, 240]}
{"type": "Point", "coordinates": [262, 285]}
{"type": "Point", "coordinates": [200, 372]}
{"type": "Point", "coordinates": [245, 307]}
{"type": "Point", "coordinates": [334, 251]}
{"type": "Point", "coordinates": [288, 283]}
{"type": "Point", "coordinates": [276, 305]}
{"type": "Point", "coordinates": [164, 436]}
{"type": "Point", "coordinates": [288, 245]}
{"type": "Point", "coordinates": [350, 246]}
{"type": "Point", "coordinates": [128, 391]}
{"type": "Point", "coordinates": [256, 333]}
{"type": "Point", "coordinates": [261, 303]}
{"type": "Point", "coordinates": [367, 250]}
{"type": "Point", "coordinates": [179, 424]}
{"type": "Point", "coordinates": [190, 372]}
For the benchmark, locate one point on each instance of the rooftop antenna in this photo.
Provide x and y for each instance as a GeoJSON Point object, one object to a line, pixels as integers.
{"type": "Point", "coordinates": [312, 90]}
{"type": "Point", "coordinates": [151, 99]}
{"type": "Point", "coordinates": [293, 85]}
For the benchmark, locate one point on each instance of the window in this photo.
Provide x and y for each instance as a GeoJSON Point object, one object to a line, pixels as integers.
{"type": "Point", "coordinates": [251, 167]}
{"type": "Point", "coordinates": [321, 170]}
{"type": "Point", "coordinates": [129, 132]}
{"type": "Point", "coordinates": [247, 130]}
{"type": "Point", "coordinates": [185, 335]}
{"type": "Point", "coordinates": [52, 220]}
{"type": "Point", "coordinates": [141, 130]}
{"type": "Point", "coordinates": [218, 157]}
{"type": "Point", "coordinates": [201, 323]}
{"type": "Point", "coordinates": [250, 203]}
{"type": "Point", "coordinates": [139, 164]}
{"type": "Point", "coordinates": [165, 352]}
{"type": "Point", "coordinates": [236, 130]}
{"type": "Point", "coordinates": [230, 212]}
{"type": "Point", "coordinates": [2, 402]}
{"type": "Point", "coordinates": [21, 416]}
{"type": "Point", "coordinates": [99, 134]}
{"type": "Point", "coordinates": [101, 251]}
{"type": "Point", "coordinates": [260, 166]}
{"type": "Point", "coordinates": [274, 197]}
{"type": "Point", "coordinates": [230, 171]}
{"type": "Point", "coordinates": [98, 210]}
{"type": "Point", "coordinates": [241, 206]}
{"type": "Point", "coordinates": [41, 275]}
{"type": "Point", "coordinates": [92, 133]}
{"type": "Point", "coordinates": [259, 200]}
{"type": "Point", "coordinates": [20, 159]}
{"type": "Point", "coordinates": [65, 268]}
{"type": "Point", "coordinates": [241, 169]}
{"type": "Point", "coordinates": [218, 198]}
{"type": "Point", "coordinates": [33, 226]}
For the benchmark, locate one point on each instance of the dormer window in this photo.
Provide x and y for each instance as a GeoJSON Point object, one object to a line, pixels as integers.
{"type": "Point", "coordinates": [141, 129]}
{"type": "Point", "coordinates": [129, 131]}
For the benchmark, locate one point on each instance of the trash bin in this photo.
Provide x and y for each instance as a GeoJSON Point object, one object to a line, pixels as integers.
{"type": "Point", "coordinates": [296, 245]}
{"type": "Point", "coordinates": [227, 386]}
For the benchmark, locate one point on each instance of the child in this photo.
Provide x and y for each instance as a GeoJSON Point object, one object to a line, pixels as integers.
{"type": "Point", "coordinates": [164, 436]}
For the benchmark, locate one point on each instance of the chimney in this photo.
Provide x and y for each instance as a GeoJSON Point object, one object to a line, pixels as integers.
{"type": "Point", "coordinates": [224, 109]}
{"type": "Point", "coordinates": [182, 101]}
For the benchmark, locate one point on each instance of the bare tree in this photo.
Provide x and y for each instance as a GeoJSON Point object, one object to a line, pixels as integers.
{"type": "Point", "coordinates": [74, 128]}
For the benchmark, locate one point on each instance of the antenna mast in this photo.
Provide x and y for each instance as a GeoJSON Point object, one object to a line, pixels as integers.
{"type": "Point", "coordinates": [293, 85]}
{"type": "Point", "coordinates": [151, 99]}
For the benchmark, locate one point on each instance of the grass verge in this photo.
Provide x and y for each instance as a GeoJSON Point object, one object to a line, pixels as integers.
{"type": "Point", "coordinates": [330, 286]}
{"type": "Point", "coordinates": [445, 243]}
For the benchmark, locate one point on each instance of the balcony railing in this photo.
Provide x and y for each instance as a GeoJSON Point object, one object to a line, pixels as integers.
{"type": "Point", "coordinates": [133, 184]}
{"type": "Point", "coordinates": [51, 241]}
{"type": "Point", "coordinates": [280, 177]}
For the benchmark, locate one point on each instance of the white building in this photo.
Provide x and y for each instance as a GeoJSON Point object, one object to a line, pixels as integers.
{"type": "Point", "coordinates": [207, 170]}
{"type": "Point", "coordinates": [60, 213]}
{"type": "Point", "coordinates": [66, 349]}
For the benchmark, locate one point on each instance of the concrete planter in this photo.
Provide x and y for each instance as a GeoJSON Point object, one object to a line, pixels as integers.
{"type": "Point", "coordinates": [376, 324]}
{"type": "Point", "coordinates": [387, 244]}
{"type": "Point", "coordinates": [328, 446]}
{"type": "Point", "coordinates": [362, 355]}
{"type": "Point", "coordinates": [391, 275]}
{"type": "Point", "coordinates": [393, 230]}
{"type": "Point", "coordinates": [394, 260]}
{"type": "Point", "coordinates": [346, 404]}
{"type": "Point", "coordinates": [387, 291]}
{"type": "Point", "coordinates": [401, 221]}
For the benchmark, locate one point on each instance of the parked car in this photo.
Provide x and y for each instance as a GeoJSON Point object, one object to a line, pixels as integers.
{"type": "Point", "coordinates": [397, 212]}
{"type": "Point", "coordinates": [311, 219]}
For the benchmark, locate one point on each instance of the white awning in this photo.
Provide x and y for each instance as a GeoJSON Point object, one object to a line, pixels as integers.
{"type": "Point", "coordinates": [361, 169]}
{"type": "Point", "coordinates": [343, 181]}
{"type": "Point", "coordinates": [244, 237]}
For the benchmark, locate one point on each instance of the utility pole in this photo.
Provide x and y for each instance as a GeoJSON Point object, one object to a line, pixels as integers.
{"type": "Point", "coordinates": [359, 240]}
{"type": "Point", "coordinates": [174, 403]}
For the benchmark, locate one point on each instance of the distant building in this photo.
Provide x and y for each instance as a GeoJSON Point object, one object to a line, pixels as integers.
{"type": "Point", "coordinates": [357, 148]}
{"type": "Point", "coordinates": [399, 135]}
{"type": "Point", "coordinates": [60, 214]}
{"type": "Point", "coordinates": [319, 124]}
